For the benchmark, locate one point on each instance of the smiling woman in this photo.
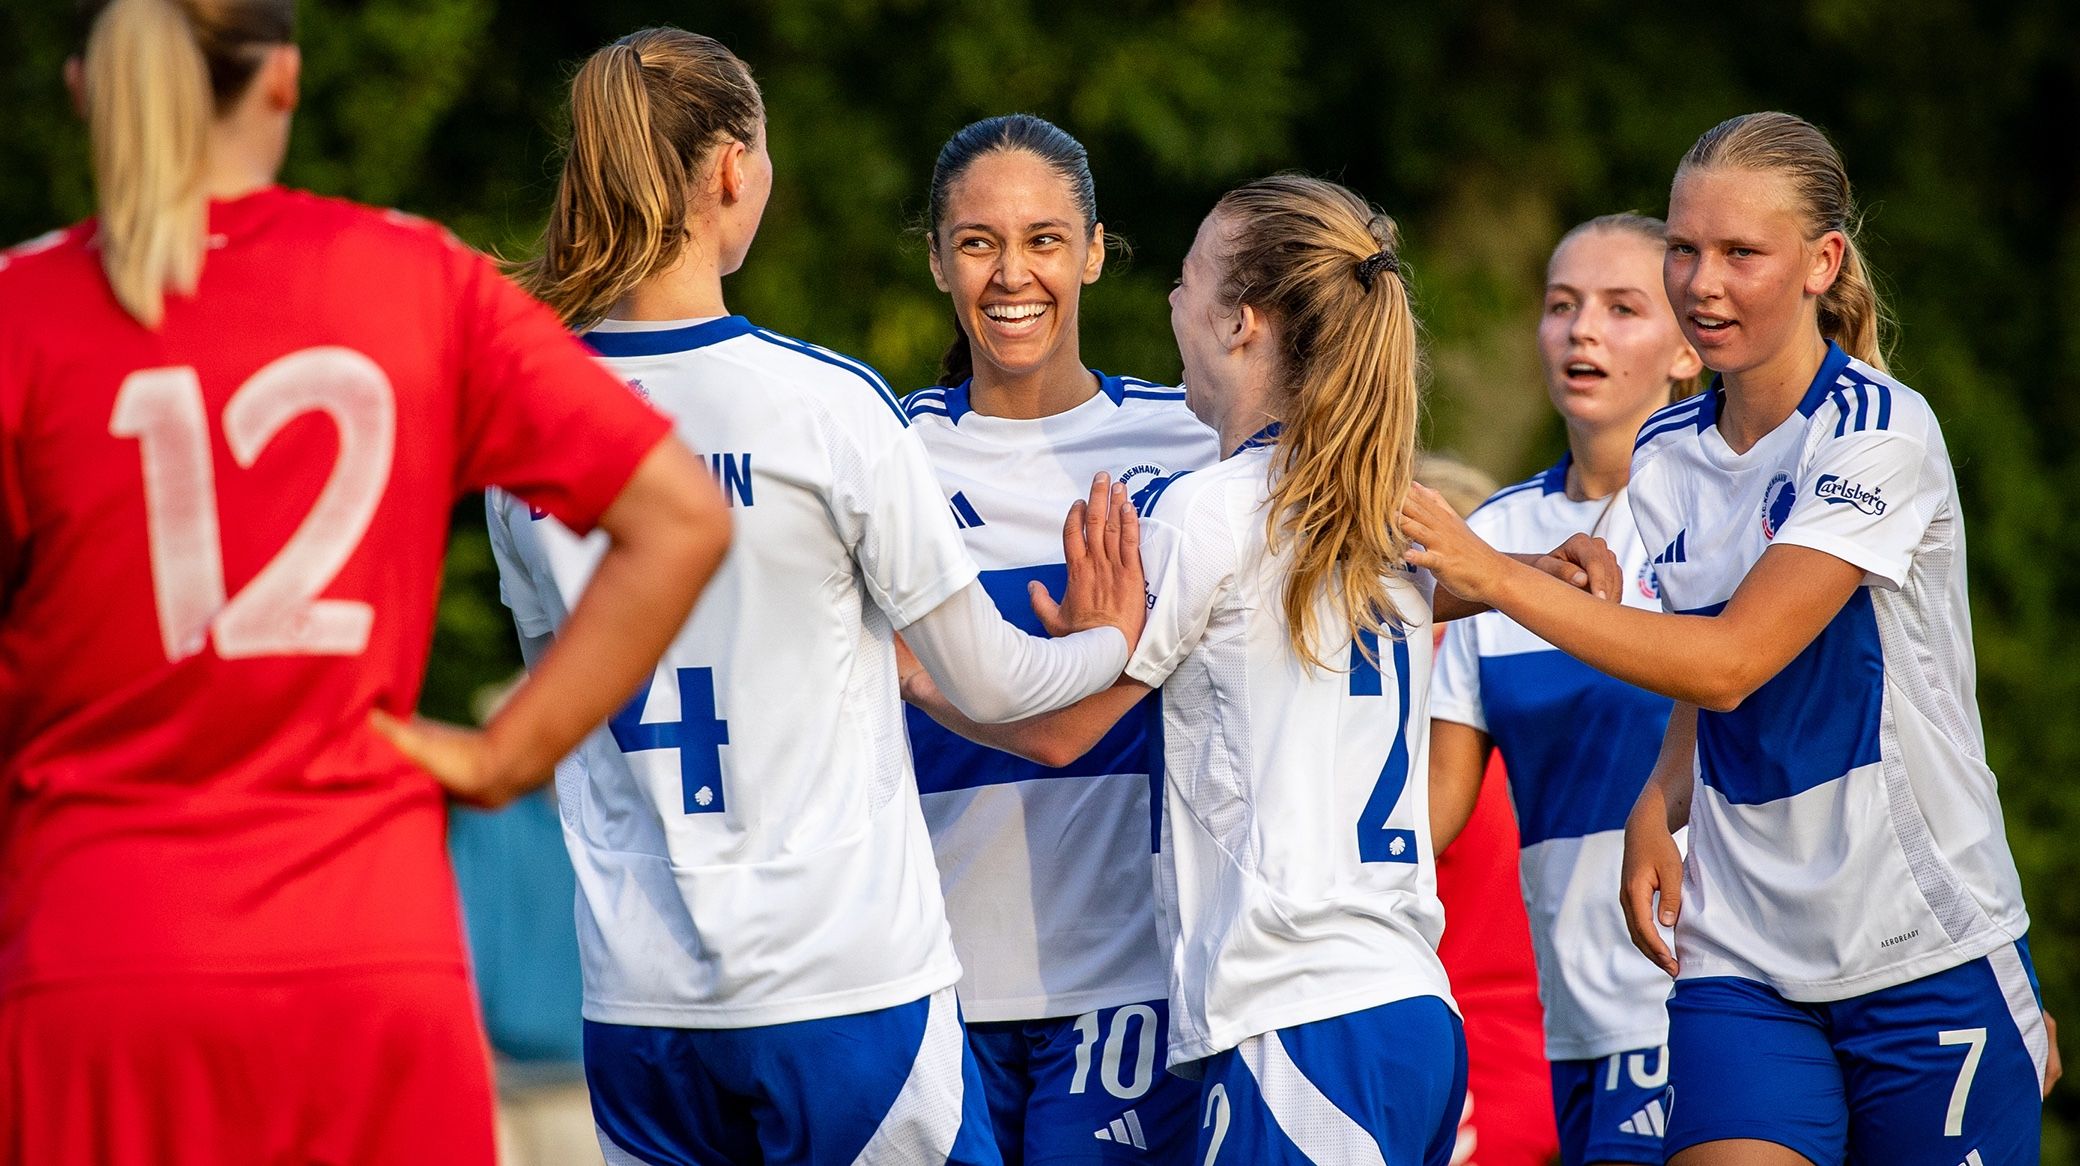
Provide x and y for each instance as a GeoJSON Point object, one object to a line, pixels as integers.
{"type": "Point", "coordinates": [1044, 851]}
{"type": "Point", "coordinates": [1850, 936]}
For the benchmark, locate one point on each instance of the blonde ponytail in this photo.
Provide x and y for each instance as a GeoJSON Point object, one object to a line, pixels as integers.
{"type": "Point", "coordinates": [157, 73]}
{"type": "Point", "coordinates": [645, 112]}
{"type": "Point", "coordinates": [148, 109]}
{"type": "Point", "coordinates": [1324, 266]}
{"type": "Point", "coordinates": [1850, 312]}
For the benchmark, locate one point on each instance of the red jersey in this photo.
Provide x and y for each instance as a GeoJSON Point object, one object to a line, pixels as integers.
{"type": "Point", "coordinates": [1486, 951]}
{"type": "Point", "coordinates": [220, 547]}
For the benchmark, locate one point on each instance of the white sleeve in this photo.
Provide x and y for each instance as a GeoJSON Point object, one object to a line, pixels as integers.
{"type": "Point", "coordinates": [515, 587]}
{"type": "Point", "coordinates": [1455, 684]}
{"type": "Point", "coordinates": [886, 503]}
{"type": "Point", "coordinates": [1189, 567]}
{"type": "Point", "coordinates": [1861, 499]}
{"type": "Point", "coordinates": [993, 672]}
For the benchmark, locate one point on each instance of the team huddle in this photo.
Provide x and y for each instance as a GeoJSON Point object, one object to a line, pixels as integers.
{"type": "Point", "coordinates": [1046, 766]}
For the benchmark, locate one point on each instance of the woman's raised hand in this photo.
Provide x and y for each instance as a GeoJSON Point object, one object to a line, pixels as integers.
{"type": "Point", "coordinates": [1101, 543]}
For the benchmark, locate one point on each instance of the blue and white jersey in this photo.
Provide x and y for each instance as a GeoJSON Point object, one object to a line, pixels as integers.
{"type": "Point", "coordinates": [1579, 745]}
{"type": "Point", "coordinates": [1046, 872]}
{"type": "Point", "coordinates": [1845, 835]}
{"type": "Point", "coordinates": [1296, 877]}
{"type": "Point", "coordinates": [746, 833]}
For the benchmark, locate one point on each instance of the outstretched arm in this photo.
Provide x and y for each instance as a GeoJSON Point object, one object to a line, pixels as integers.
{"type": "Point", "coordinates": [1052, 739]}
{"type": "Point", "coordinates": [991, 672]}
{"type": "Point", "coordinates": [1713, 662]}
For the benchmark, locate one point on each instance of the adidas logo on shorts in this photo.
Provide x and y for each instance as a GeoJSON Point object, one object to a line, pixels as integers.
{"type": "Point", "coordinates": [1126, 1130]}
{"type": "Point", "coordinates": [1649, 1122]}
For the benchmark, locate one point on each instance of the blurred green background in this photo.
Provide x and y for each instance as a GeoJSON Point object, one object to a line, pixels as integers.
{"type": "Point", "coordinates": [1485, 127]}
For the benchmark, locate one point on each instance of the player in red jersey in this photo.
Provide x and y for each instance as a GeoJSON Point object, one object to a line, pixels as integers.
{"type": "Point", "coordinates": [233, 421]}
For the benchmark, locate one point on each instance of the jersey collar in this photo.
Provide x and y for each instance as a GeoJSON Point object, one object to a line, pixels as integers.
{"type": "Point", "coordinates": [616, 338]}
{"type": "Point", "coordinates": [1831, 367]}
{"type": "Point", "coordinates": [1262, 437]}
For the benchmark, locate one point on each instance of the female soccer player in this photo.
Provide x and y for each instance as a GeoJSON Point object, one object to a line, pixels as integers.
{"type": "Point", "coordinates": [1578, 744]}
{"type": "Point", "coordinates": [768, 974]}
{"type": "Point", "coordinates": [1854, 984]}
{"type": "Point", "coordinates": [1295, 870]}
{"type": "Point", "coordinates": [233, 420]}
{"type": "Point", "coordinates": [1044, 860]}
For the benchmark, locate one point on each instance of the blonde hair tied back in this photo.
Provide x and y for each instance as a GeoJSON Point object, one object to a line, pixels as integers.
{"type": "Point", "coordinates": [646, 112]}
{"type": "Point", "coordinates": [1852, 314]}
{"type": "Point", "coordinates": [157, 72]}
{"type": "Point", "coordinates": [1324, 266]}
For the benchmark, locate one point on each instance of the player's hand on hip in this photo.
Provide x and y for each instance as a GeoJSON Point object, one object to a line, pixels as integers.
{"type": "Point", "coordinates": [1465, 565]}
{"type": "Point", "coordinates": [1584, 561]}
{"type": "Point", "coordinates": [1652, 868]}
{"type": "Point", "coordinates": [460, 759]}
{"type": "Point", "coordinates": [1101, 543]}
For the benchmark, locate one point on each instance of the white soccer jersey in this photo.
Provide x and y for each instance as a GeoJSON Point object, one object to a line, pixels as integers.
{"type": "Point", "coordinates": [746, 833]}
{"type": "Point", "coordinates": [1296, 879]}
{"type": "Point", "coordinates": [1578, 745]}
{"type": "Point", "coordinates": [1845, 835]}
{"type": "Point", "coordinates": [1046, 871]}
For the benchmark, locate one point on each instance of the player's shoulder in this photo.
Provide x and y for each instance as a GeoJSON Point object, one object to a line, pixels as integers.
{"type": "Point", "coordinates": [28, 267]}
{"type": "Point", "coordinates": [1155, 412]}
{"type": "Point", "coordinates": [1180, 497]}
{"type": "Point", "coordinates": [1142, 396]}
{"type": "Point", "coordinates": [933, 407]}
{"type": "Point", "coordinates": [51, 246]}
{"type": "Point", "coordinates": [1676, 427]}
{"type": "Point", "coordinates": [1860, 398]}
{"type": "Point", "coordinates": [843, 384]}
{"type": "Point", "coordinates": [1515, 504]}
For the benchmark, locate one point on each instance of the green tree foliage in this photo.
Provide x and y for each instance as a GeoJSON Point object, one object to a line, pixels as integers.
{"type": "Point", "coordinates": [1486, 127]}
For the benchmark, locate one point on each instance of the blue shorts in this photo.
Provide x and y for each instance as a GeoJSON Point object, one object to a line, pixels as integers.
{"type": "Point", "coordinates": [894, 1084]}
{"type": "Point", "coordinates": [1934, 1072]}
{"type": "Point", "coordinates": [1383, 1085]}
{"type": "Point", "coordinates": [1091, 1088]}
{"type": "Point", "coordinates": [1612, 1109]}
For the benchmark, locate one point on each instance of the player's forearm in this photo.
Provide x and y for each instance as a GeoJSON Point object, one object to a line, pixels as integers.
{"type": "Point", "coordinates": [1458, 762]}
{"type": "Point", "coordinates": [1688, 658]}
{"type": "Point", "coordinates": [993, 673]}
{"type": "Point", "coordinates": [669, 532]}
{"type": "Point", "coordinates": [1052, 739]}
{"type": "Point", "coordinates": [1667, 790]}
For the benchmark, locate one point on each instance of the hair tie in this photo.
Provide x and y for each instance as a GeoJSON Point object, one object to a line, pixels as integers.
{"type": "Point", "coordinates": [1370, 267]}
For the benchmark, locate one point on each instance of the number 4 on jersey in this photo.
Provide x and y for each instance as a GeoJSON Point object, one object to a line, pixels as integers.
{"type": "Point", "coordinates": [698, 734]}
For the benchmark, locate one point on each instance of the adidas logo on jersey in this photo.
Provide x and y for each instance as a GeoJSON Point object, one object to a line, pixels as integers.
{"type": "Point", "coordinates": [1649, 1122]}
{"type": "Point", "coordinates": [1126, 1130]}
{"type": "Point", "coordinates": [1674, 552]}
{"type": "Point", "coordinates": [964, 515]}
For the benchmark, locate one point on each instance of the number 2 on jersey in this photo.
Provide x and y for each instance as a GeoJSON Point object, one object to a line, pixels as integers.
{"type": "Point", "coordinates": [277, 613]}
{"type": "Point", "coordinates": [698, 734]}
{"type": "Point", "coordinates": [1377, 843]}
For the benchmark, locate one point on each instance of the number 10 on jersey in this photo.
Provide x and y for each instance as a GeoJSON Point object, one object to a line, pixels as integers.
{"type": "Point", "coordinates": [697, 733]}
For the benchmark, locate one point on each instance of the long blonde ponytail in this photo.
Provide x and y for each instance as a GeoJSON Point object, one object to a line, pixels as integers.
{"type": "Point", "coordinates": [645, 112]}
{"type": "Point", "coordinates": [1324, 265]}
{"type": "Point", "coordinates": [157, 72]}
